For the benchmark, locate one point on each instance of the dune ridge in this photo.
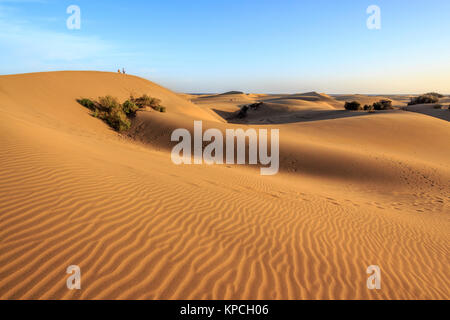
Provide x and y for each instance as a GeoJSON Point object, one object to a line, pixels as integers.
{"type": "Point", "coordinates": [352, 192]}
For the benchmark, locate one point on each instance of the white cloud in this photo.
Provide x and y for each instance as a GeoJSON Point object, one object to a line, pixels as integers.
{"type": "Point", "coordinates": [25, 40]}
{"type": "Point", "coordinates": [25, 46]}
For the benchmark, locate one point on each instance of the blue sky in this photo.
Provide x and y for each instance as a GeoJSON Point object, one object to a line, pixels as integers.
{"type": "Point", "coordinates": [254, 46]}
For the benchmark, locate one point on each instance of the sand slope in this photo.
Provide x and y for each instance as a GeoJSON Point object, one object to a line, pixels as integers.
{"type": "Point", "coordinates": [352, 192]}
{"type": "Point", "coordinates": [439, 111]}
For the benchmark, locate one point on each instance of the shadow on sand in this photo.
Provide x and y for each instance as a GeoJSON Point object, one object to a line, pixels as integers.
{"type": "Point", "coordinates": [297, 116]}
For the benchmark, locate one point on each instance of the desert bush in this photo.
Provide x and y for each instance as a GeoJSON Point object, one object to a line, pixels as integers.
{"type": "Point", "coordinates": [141, 102]}
{"type": "Point", "coordinates": [129, 107]}
{"type": "Point", "coordinates": [435, 94]}
{"type": "Point", "coordinates": [383, 105]}
{"type": "Point", "coordinates": [117, 119]}
{"type": "Point", "coordinates": [438, 106]}
{"type": "Point", "coordinates": [108, 103]}
{"type": "Point", "coordinates": [243, 112]}
{"type": "Point", "coordinates": [245, 108]}
{"type": "Point", "coordinates": [368, 107]}
{"type": "Point", "coordinates": [87, 103]}
{"type": "Point", "coordinates": [97, 114]}
{"type": "Point", "coordinates": [353, 106]}
{"type": "Point", "coordinates": [109, 110]}
{"type": "Point", "coordinates": [154, 102]}
{"type": "Point", "coordinates": [424, 99]}
{"type": "Point", "coordinates": [146, 101]}
{"type": "Point", "coordinates": [115, 114]}
{"type": "Point", "coordinates": [387, 104]}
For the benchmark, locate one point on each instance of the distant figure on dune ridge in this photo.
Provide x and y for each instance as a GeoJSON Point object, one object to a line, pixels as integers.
{"type": "Point", "coordinates": [123, 70]}
{"type": "Point", "coordinates": [118, 70]}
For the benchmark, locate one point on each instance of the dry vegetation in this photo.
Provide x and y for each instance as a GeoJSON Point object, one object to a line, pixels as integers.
{"type": "Point", "coordinates": [380, 105]}
{"type": "Point", "coordinates": [431, 97]}
{"type": "Point", "coordinates": [117, 115]}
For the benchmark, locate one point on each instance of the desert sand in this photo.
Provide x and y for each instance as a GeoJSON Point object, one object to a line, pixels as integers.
{"type": "Point", "coordinates": [355, 189]}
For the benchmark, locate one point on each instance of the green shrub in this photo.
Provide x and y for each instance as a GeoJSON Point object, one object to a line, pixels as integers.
{"type": "Point", "coordinates": [383, 105]}
{"type": "Point", "coordinates": [424, 99]}
{"type": "Point", "coordinates": [115, 114]}
{"type": "Point", "coordinates": [129, 107]}
{"type": "Point", "coordinates": [147, 101]}
{"type": "Point", "coordinates": [141, 102]}
{"type": "Point", "coordinates": [387, 104]}
{"type": "Point", "coordinates": [87, 103]}
{"type": "Point", "coordinates": [154, 102]}
{"type": "Point", "coordinates": [118, 120]}
{"type": "Point", "coordinates": [108, 103]}
{"type": "Point", "coordinates": [96, 114]}
{"type": "Point", "coordinates": [353, 106]}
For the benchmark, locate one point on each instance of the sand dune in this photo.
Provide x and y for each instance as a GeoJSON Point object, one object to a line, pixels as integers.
{"type": "Point", "coordinates": [316, 100]}
{"type": "Point", "coordinates": [352, 192]}
{"type": "Point", "coordinates": [275, 109]}
{"type": "Point", "coordinates": [45, 91]}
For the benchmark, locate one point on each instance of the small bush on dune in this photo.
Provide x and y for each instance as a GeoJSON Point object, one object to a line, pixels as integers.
{"type": "Point", "coordinates": [424, 99]}
{"type": "Point", "coordinates": [160, 109]}
{"type": "Point", "coordinates": [435, 94]}
{"type": "Point", "coordinates": [380, 105]}
{"type": "Point", "coordinates": [383, 105]}
{"type": "Point", "coordinates": [118, 120]}
{"type": "Point", "coordinates": [353, 106]}
{"type": "Point", "coordinates": [108, 103]}
{"type": "Point", "coordinates": [146, 101]}
{"type": "Point", "coordinates": [387, 104]}
{"type": "Point", "coordinates": [154, 102]}
{"type": "Point", "coordinates": [438, 106]}
{"type": "Point", "coordinates": [130, 107]}
{"type": "Point", "coordinates": [110, 110]}
{"type": "Point", "coordinates": [141, 102]}
{"type": "Point", "coordinates": [243, 112]}
{"type": "Point", "coordinates": [87, 103]}
{"type": "Point", "coordinates": [97, 114]}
